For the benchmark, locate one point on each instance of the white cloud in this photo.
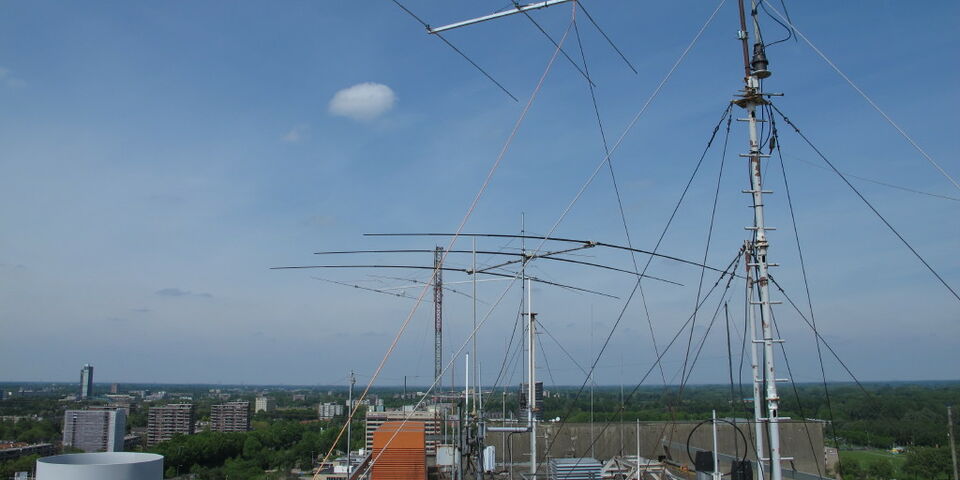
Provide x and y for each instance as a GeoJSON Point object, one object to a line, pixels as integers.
{"type": "Point", "coordinates": [364, 101]}
{"type": "Point", "coordinates": [295, 134]}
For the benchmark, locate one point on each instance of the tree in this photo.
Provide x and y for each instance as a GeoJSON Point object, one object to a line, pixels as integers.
{"type": "Point", "coordinates": [928, 463]}
{"type": "Point", "coordinates": [851, 470]}
{"type": "Point", "coordinates": [880, 470]}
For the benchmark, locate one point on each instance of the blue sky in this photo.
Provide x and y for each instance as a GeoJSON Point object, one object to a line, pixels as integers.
{"type": "Point", "coordinates": [159, 157]}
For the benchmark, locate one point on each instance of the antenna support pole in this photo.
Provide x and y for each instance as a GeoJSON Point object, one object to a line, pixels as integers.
{"type": "Point", "coordinates": [754, 363]}
{"type": "Point", "coordinates": [532, 380]}
{"type": "Point", "coordinates": [437, 314]}
{"type": "Point", "coordinates": [749, 100]}
{"type": "Point", "coordinates": [350, 419]}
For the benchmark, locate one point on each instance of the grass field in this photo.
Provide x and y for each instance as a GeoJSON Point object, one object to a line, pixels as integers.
{"type": "Point", "coordinates": [865, 457]}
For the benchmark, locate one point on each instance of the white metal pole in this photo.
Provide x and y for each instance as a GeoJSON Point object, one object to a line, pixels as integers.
{"type": "Point", "coordinates": [349, 417]}
{"type": "Point", "coordinates": [716, 453]}
{"type": "Point", "coordinates": [532, 377]}
{"type": "Point", "coordinates": [760, 245]}
{"type": "Point", "coordinates": [754, 366]}
{"type": "Point", "coordinates": [466, 384]}
{"type": "Point", "coordinates": [638, 449]}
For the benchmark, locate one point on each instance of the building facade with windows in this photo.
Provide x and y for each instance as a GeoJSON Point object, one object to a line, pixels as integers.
{"type": "Point", "coordinates": [94, 430]}
{"type": "Point", "coordinates": [163, 422]}
{"type": "Point", "coordinates": [230, 417]}
{"type": "Point", "coordinates": [86, 381]}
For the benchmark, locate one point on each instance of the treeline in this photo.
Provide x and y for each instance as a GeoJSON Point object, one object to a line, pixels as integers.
{"type": "Point", "coordinates": [279, 446]}
{"type": "Point", "coordinates": [884, 416]}
{"type": "Point", "coordinates": [30, 431]}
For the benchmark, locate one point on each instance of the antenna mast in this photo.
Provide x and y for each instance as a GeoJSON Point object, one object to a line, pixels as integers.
{"type": "Point", "coordinates": [755, 70]}
{"type": "Point", "coordinates": [437, 314]}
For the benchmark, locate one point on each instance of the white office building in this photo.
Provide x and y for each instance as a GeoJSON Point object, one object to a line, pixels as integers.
{"type": "Point", "coordinates": [263, 404]}
{"type": "Point", "coordinates": [94, 430]}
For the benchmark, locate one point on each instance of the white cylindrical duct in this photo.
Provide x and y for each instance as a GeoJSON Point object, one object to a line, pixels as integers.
{"type": "Point", "coordinates": [101, 466]}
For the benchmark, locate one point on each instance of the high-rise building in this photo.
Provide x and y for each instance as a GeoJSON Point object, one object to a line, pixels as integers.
{"type": "Point", "coordinates": [114, 388]}
{"type": "Point", "coordinates": [163, 422]}
{"type": "Point", "coordinates": [326, 411]}
{"type": "Point", "coordinates": [230, 417]}
{"type": "Point", "coordinates": [94, 430]}
{"type": "Point", "coordinates": [86, 381]}
{"type": "Point", "coordinates": [264, 404]}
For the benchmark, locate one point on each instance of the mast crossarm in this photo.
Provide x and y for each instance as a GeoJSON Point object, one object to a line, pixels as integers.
{"type": "Point", "coordinates": [504, 13]}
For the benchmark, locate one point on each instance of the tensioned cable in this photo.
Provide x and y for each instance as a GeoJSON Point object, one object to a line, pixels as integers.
{"type": "Point", "coordinates": [594, 22]}
{"type": "Point", "coordinates": [506, 353]}
{"type": "Point", "coordinates": [453, 240]}
{"type": "Point", "coordinates": [817, 333]}
{"type": "Point", "coordinates": [455, 49]}
{"type": "Point", "coordinates": [546, 360]}
{"type": "Point", "coordinates": [867, 202]}
{"type": "Point", "coordinates": [703, 340]}
{"type": "Point", "coordinates": [885, 184]}
{"type": "Point", "coordinates": [616, 190]}
{"type": "Point", "coordinates": [630, 125]}
{"type": "Point", "coordinates": [582, 189]}
{"type": "Point", "coordinates": [564, 350]}
{"type": "Point", "coordinates": [796, 394]}
{"type": "Point", "coordinates": [806, 286]}
{"type": "Point", "coordinates": [450, 363]}
{"type": "Point", "coordinates": [636, 285]}
{"type": "Point", "coordinates": [733, 395]}
{"type": "Point", "coordinates": [868, 99]}
{"type": "Point", "coordinates": [728, 271]}
{"type": "Point", "coordinates": [706, 248]}
{"type": "Point", "coordinates": [554, 42]}
{"type": "Point", "coordinates": [616, 145]}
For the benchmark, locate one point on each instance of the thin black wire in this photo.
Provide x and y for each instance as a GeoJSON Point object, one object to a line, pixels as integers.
{"type": "Point", "coordinates": [806, 286]}
{"type": "Point", "coordinates": [594, 22]}
{"type": "Point", "coordinates": [703, 340]}
{"type": "Point", "coordinates": [455, 49]}
{"type": "Point", "coordinates": [867, 202]}
{"type": "Point", "coordinates": [885, 184]}
{"type": "Point", "coordinates": [564, 350]}
{"type": "Point", "coordinates": [824, 340]}
{"type": "Point", "coordinates": [506, 354]}
{"type": "Point", "coordinates": [616, 190]}
{"type": "Point", "coordinates": [733, 394]}
{"type": "Point", "coordinates": [706, 249]}
{"type": "Point", "coordinates": [796, 394]}
{"type": "Point", "coordinates": [546, 360]}
{"type": "Point", "coordinates": [788, 29]}
{"type": "Point", "coordinates": [633, 292]}
{"type": "Point", "coordinates": [555, 44]}
{"type": "Point", "coordinates": [729, 270]}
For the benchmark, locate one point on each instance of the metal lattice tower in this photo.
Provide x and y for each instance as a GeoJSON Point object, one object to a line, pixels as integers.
{"type": "Point", "coordinates": [437, 314]}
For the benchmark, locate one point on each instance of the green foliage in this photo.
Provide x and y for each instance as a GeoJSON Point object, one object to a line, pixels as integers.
{"type": "Point", "coordinates": [880, 470]}
{"type": "Point", "coordinates": [928, 463]}
{"type": "Point", "coordinates": [281, 445]}
{"type": "Point", "coordinates": [29, 430]}
{"type": "Point", "coordinates": [22, 464]}
{"type": "Point", "coordinates": [851, 470]}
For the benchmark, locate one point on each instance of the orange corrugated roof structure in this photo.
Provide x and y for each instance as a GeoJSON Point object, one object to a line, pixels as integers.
{"type": "Point", "coordinates": [399, 451]}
